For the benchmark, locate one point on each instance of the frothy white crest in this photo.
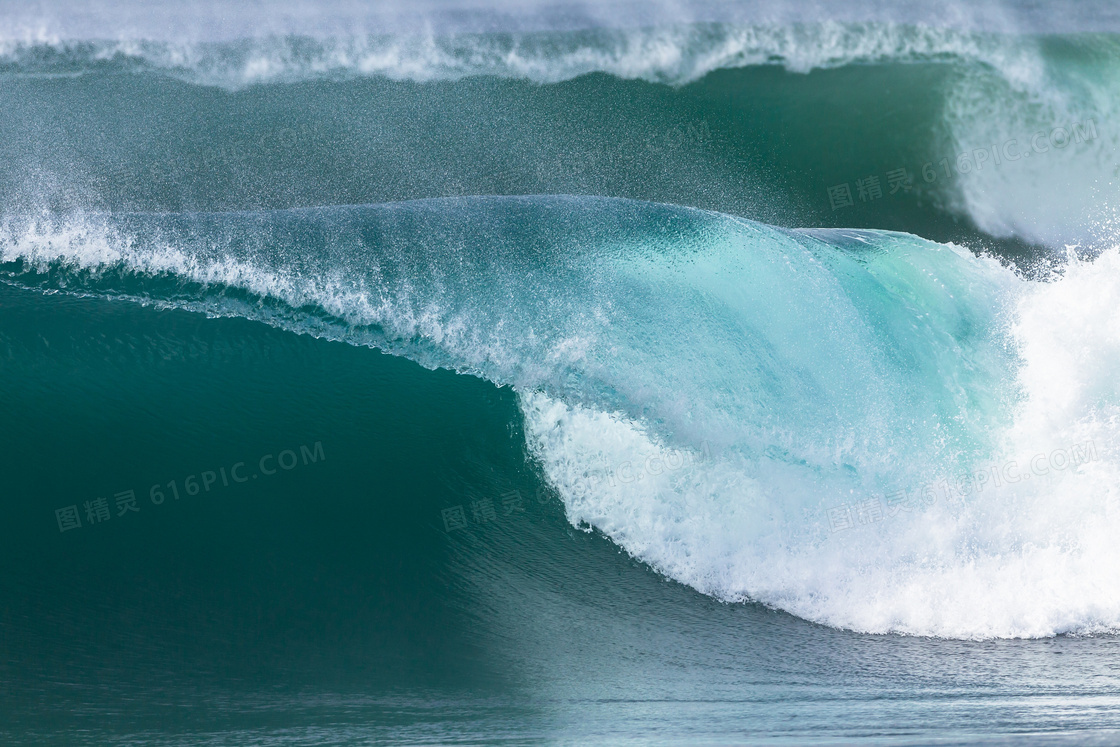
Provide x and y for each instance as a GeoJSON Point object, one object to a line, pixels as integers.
{"type": "Point", "coordinates": [91, 245]}
{"type": "Point", "coordinates": [674, 53]}
{"type": "Point", "coordinates": [213, 20]}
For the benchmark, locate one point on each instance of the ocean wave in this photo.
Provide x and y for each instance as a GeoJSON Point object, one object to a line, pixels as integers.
{"type": "Point", "coordinates": [1056, 195]}
{"type": "Point", "coordinates": [998, 88]}
{"type": "Point", "coordinates": [793, 371]}
{"type": "Point", "coordinates": [675, 54]}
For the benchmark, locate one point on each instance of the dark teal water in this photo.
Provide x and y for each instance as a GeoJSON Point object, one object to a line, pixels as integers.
{"type": "Point", "coordinates": [360, 337]}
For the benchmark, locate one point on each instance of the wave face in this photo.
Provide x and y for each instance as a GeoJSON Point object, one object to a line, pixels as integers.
{"type": "Point", "coordinates": [726, 400]}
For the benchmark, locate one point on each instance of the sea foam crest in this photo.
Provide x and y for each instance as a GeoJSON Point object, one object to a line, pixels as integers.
{"type": "Point", "coordinates": [675, 54]}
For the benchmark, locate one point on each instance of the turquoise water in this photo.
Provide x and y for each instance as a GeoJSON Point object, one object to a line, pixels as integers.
{"type": "Point", "coordinates": [520, 381]}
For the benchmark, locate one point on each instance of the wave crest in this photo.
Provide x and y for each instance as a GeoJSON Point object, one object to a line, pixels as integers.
{"type": "Point", "coordinates": [676, 54]}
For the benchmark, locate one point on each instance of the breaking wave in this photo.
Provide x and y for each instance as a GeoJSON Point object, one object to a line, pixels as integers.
{"type": "Point", "coordinates": [842, 424]}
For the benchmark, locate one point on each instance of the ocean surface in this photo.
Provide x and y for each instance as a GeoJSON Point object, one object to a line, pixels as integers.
{"type": "Point", "coordinates": [557, 373]}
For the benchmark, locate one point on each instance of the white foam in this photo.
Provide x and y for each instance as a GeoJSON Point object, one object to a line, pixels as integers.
{"type": "Point", "coordinates": [1035, 558]}
{"type": "Point", "coordinates": [213, 20]}
{"type": "Point", "coordinates": [676, 53]}
{"type": "Point", "coordinates": [1054, 119]}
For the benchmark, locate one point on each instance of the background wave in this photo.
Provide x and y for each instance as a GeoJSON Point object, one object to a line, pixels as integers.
{"type": "Point", "coordinates": [675, 55]}
{"type": "Point", "coordinates": [756, 119]}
